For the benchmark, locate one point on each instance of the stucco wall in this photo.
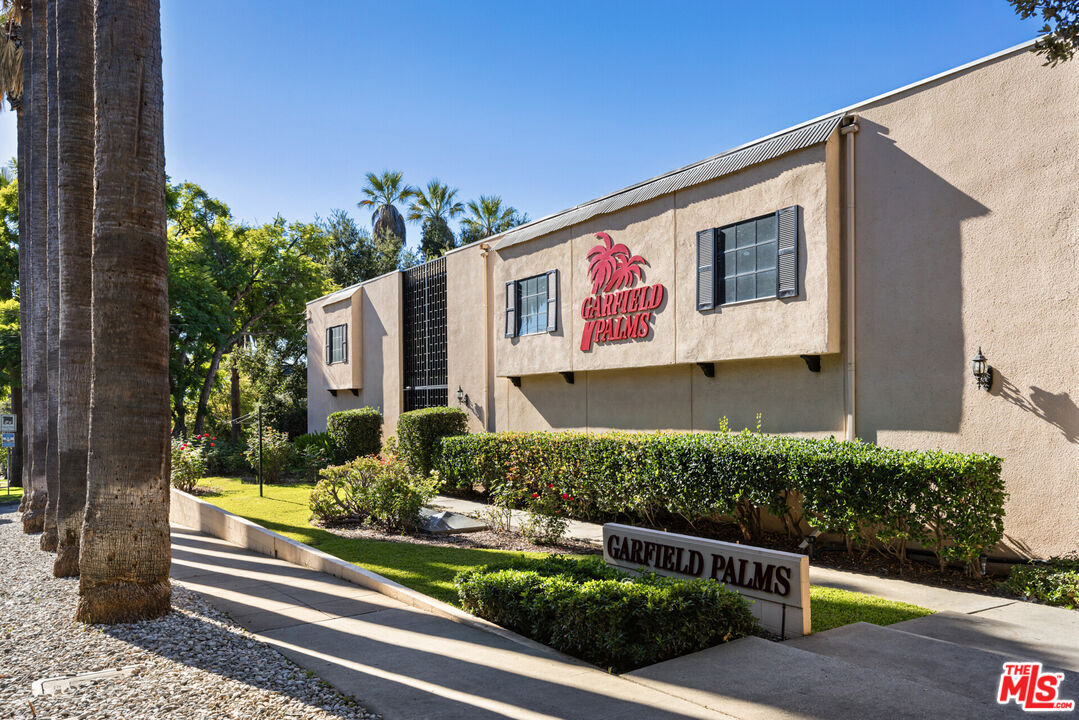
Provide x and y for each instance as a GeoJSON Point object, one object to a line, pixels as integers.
{"type": "Point", "coordinates": [968, 236]}
{"type": "Point", "coordinates": [466, 328]}
{"type": "Point", "coordinates": [663, 231]}
{"type": "Point", "coordinates": [377, 364]}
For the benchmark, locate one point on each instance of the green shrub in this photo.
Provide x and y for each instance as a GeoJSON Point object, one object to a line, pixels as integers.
{"type": "Point", "coordinates": [276, 452]}
{"type": "Point", "coordinates": [384, 494]}
{"type": "Point", "coordinates": [952, 503]}
{"type": "Point", "coordinates": [603, 616]}
{"type": "Point", "coordinates": [188, 464]}
{"type": "Point", "coordinates": [1055, 582]}
{"type": "Point", "coordinates": [355, 433]}
{"type": "Point", "coordinates": [311, 453]}
{"type": "Point", "coordinates": [420, 433]}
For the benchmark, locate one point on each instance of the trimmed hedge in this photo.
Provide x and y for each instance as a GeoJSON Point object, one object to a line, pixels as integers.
{"type": "Point", "coordinates": [355, 433]}
{"type": "Point", "coordinates": [603, 616]}
{"type": "Point", "coordinates": [952, 503]}
{"type": "Point", "coordinates": [419, 433]}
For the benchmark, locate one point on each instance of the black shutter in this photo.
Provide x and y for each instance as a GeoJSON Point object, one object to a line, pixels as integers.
{"type": "Point", "coordinates": [344, 343]}
{"type": "Point", "coordinates": [552, 300]}
{"type": "Point", "coordinates": [511, 309]}
{"type": "Point", "coordinates": [706, 271]}
{"type": "Point", "coordinates": [329, 346]}
{"type": "Point", "coordinates": [787, 258]}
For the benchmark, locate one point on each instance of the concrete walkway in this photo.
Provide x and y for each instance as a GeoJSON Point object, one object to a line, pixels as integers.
{"type": "Point", "coordinates": [400, 661]}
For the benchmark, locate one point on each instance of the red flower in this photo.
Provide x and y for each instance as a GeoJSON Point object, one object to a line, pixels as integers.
{"type": "Point", "coordinates": [535, 494]}
{"type": "Point", "coordinates": [211, 444]}
{"type": "Point", "coordinates": [550, 486]}
{"type": "Point", "coordinates": [213, 438]}
{"type": "Point", "coordinates": [565, 496]}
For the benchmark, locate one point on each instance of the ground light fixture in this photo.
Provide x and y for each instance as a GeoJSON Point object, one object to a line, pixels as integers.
{"type": "Point", "coordinates": [462, 396]}
{"type": "Point", "coordinates": [983, 374]}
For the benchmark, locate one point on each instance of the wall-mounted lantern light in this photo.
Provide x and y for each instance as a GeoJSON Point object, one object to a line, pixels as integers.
{"type": "Point", "coordinates": [462, 396]}
{"type": "Point", "coordinates": [983, 374]}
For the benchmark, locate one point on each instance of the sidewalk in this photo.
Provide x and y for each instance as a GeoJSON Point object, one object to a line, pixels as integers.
{"type": "Point", "coordinates": [400, 661]}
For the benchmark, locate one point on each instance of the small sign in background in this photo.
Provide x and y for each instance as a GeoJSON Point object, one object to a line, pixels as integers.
{"type": "Point", "coordinates": [7, 439]}
{"type": "Point", "coordinates": [8, 422]}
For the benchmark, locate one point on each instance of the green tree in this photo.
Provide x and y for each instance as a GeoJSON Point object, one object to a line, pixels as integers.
{"type": "Point", "coordinates": [1060, 27]}
{"type": "Point", "coordinates": [9, 236]}
{"type": "Point", "coordinates": [229, 281]}
{"type": "Point", "coordinates": [487, 217]}
{"type": "Point", "coordinates": [434, 206]}
{"type": "Point", "coordinates": [10, 347]}
{"type": "Point", "coordinates": [382, 192]}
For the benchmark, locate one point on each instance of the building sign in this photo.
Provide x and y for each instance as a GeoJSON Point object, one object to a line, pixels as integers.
{"type": "Point", "coordinates": [8, 422]}
{"type": "Point", "coordinates": [7, 440]}
{"type": "Point", "coordinates": [777, 582]}
{"type": "Point", "coordinates": [616, 310]}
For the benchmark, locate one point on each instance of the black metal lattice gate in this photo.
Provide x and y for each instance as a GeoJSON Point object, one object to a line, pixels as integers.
{"type": "Point", "coordinates": [425, 335]}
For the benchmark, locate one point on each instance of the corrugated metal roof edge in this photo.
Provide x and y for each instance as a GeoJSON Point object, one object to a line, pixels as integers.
{"type": "Point", "coordinates": [505, 240]}
{"type": "Point", "coordinates": [350, 287]}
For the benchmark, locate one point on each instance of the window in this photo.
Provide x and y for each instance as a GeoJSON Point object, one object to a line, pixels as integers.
{"type": "Point", "coordinates": [337, 344]}
{"type": "Point", "coordinates": [532, 305]}
{"type": "Point", "coordinates": [748, 260]}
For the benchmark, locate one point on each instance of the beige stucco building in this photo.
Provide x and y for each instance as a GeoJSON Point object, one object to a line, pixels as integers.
{"type": "Point", "coordinates": [836, 278]}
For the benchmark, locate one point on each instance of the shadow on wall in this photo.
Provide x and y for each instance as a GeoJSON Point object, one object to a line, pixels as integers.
{"type": "Point", "coordinates": [910, 295]}
{"type": "Point", "coordinates": [374, 337]}
{"type": "Point", "coordinates": [1057, 409]}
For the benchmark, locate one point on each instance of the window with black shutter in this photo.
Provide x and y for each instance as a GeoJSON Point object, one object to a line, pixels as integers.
{"type": "Point", "coordinates": [532, 305]}
{"type": "Point", "coordinates": [748, 260]}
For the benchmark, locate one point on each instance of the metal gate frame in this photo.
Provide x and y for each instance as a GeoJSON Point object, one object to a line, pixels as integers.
{"type": "Point", "coordinates": [424, 323]}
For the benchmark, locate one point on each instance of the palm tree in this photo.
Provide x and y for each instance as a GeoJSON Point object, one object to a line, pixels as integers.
{"type": "Point", "coordinates": [490, 217]}
{"type": "Point", "coordinates": [75, 183]}
{"type": "Point", "coordinates": [124, 555]}
{"type": "Point", "coordinates": [382, 192]}
{"type": "Point", "coordinates": [37, 110]}
{"type": "Point", "coordinates": [435, 206]}
{"type": "Point", "coordinates": [52, 361]}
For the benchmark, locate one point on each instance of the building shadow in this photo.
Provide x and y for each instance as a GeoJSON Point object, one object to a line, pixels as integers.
{"type": "Point", "coordinates": [909, 289]}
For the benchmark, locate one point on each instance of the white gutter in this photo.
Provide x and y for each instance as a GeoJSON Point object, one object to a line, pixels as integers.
{"type": "Point", "coordinates": [849, 130]}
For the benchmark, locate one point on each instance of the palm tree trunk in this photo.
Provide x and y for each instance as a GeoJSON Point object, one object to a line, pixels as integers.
{"type": "Point", "coordinates": [33, 518]}
{"type": "Point", "coordinates": [125, 555]}
{"type": "Point", "coordinates": [52, 460]}
{"type": "Point", "coordinates": [75, 185]}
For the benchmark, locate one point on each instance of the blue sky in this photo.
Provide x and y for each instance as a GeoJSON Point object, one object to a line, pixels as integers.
{"type": "Point", "coordinates": [281, 107]}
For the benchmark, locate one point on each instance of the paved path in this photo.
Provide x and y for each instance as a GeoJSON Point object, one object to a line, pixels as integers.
{"type": "Point", "coordinates": [400, 661]}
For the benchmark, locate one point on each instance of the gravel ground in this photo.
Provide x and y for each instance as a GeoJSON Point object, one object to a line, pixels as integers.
{"type": "Point", "coordinates": [194, 664]}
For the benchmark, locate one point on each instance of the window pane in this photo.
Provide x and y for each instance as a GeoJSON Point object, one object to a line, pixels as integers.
{"type": "Point", "coordinates": [766, 229]}
{"type": "Point", "coordinates": [766, 283]}
{"type": "Point", "coordinates": [746, 234]}
{"type": "Point", "coordinates": [745, 260]}
{"type": "Point", "coordinates": [730, 291]}
{"type": "Point", "coordinates": [766, 256]}
{"type": "Point", "coordinates": [746, 288]}
{"type": "Point", "coordinates": [728, 239]}
{"type": "Point", "coordinates": [729, 260]}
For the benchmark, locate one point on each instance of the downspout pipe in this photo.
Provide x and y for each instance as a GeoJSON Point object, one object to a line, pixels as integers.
{"type": "Point", "coordinates": [485, 250]}
{"type": "Point", "coordinates": [848, 129]}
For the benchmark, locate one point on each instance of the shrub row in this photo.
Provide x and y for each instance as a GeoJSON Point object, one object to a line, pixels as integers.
{"type": "Point", "coordinates": [355, 433]}
{"type": "Point", "coordinates": [600, 615]}
{"type": "Point", "coordinates": [950, 502]}
{"type": "Point", "coordinates": [419, 433]}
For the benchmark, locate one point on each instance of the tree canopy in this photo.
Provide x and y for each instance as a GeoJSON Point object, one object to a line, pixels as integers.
{"type": "Point", "coordinates": [1060, 27]}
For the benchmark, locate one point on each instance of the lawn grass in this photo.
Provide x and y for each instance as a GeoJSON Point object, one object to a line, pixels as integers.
{"type": "Point", "coordinates": [831, 608]}
{"type": "Point", "coordinates": [430, 569]}
{"type": "Point", "coordinates": [10, 494]}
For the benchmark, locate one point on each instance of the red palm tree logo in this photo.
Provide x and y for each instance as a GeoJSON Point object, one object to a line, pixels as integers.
{"type": "Point", "coordinates": [612, 267]}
